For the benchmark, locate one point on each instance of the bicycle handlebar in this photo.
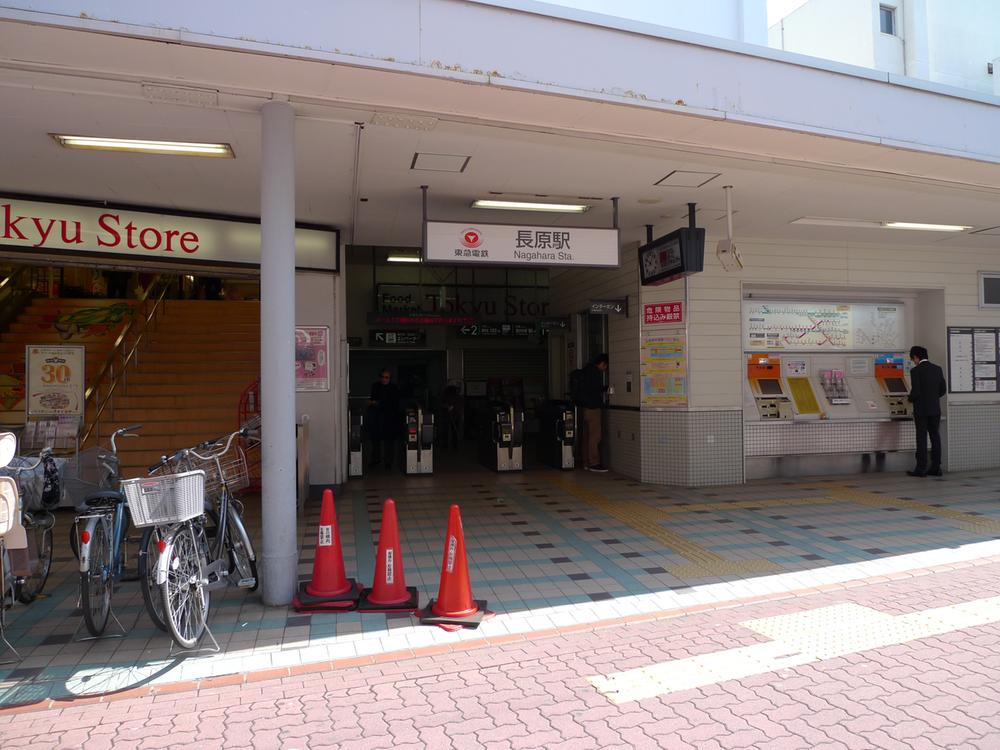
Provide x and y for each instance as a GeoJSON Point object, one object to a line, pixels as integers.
{"type": "Point", "coordinates": [216, 454]}
{"type": "Point", "coordinates": [123, 432]}
{"type": "Point", "coordinates": [42, 455]}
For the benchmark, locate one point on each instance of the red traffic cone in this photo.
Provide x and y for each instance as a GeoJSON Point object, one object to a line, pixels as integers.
{"type": "Point", "coordinates": [329, 588]}
{"type": "Point", "coordinates": [454, 607]}
{"type": "Point", "coordinates": [389, 592]}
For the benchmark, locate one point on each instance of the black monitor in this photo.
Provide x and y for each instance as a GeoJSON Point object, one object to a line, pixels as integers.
{"type": "Point", "coordinates": [680, 253]}
{"type": "Point", "coordinates": [770, 387]}
{"type": "Point", "coordinates": [895, 385]}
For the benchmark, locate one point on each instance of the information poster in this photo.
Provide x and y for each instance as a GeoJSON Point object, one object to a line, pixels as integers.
{"type": "Point", "coordinates": [972, 360]}
{"type": "Point", "coordinates": [312, 358]}
{"type": "Point", "coordinates": [823, 326]}
{"type": "Point", "coordinates": [663, 369]}
{"type": "Point", "coordinates": [55, 380]}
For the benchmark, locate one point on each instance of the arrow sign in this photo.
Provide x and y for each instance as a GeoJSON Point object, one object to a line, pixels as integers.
{"type": "Point", "coordinates": [609, 306]}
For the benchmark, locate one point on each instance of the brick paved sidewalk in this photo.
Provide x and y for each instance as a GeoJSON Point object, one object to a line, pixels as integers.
{"type": "Point", "coordinates": [914, 691]}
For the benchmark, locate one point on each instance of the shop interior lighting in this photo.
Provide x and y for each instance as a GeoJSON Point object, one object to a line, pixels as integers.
{"type": "Point", "coordinates": [130, 145]}
{"type": "Point", "coordinates": [403, 259]}
{"type": "Point", "coordinates": [561, 208]}
{"type": "Point", "coordinates": [925, 227]}
{"type": "Point", "coordinates": [826, 221]}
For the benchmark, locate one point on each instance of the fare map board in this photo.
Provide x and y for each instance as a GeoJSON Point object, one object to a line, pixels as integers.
{"type": "Point", "coordinates": [972, 360]}
{"type": "Point", "coordinates": [823, 326]}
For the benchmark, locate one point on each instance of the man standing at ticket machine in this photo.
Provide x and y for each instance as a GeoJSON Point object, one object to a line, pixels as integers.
{"type": "Point", "coordinates": [927, 386]}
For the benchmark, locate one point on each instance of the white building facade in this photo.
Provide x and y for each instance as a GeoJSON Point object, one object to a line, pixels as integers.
{"type": "Point", "coordinates": [327, 106]}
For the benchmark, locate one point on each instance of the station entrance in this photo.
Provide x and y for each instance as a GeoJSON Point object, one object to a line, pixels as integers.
{"type": "Point", "coordinates": [479, 365]}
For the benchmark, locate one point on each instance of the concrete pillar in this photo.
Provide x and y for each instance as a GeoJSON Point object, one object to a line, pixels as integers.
{"type": "Point", "coordinates": [279, 549]}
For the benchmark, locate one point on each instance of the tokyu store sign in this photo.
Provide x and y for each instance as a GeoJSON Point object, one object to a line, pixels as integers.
{"type": "Point", "coordinates": [43, 227]}
{"type": "Point", "coordinates": [519, 245]}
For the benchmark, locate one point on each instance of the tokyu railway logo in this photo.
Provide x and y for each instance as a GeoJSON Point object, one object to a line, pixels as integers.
{"type": "Point", "coordinates": [471, 238]}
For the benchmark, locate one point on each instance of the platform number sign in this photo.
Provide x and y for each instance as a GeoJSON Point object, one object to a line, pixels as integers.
{"type": "Point", "coordinates": [54, 380]}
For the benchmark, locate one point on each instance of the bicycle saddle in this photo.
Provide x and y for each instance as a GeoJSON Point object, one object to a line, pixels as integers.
{"type": "Point", "coordinates": [103, 497]}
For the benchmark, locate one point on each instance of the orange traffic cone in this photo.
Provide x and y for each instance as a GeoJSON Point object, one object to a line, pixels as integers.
{"type": "Point", "coordinates": [454, 607]}
{"type": "Point", "coordinates": [329, 589]}
{"type": "Point", "coordinates": [389, 592]}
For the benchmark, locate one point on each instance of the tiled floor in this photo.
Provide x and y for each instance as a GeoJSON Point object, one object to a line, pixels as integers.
{"type": "Point", "coordinates": [546, 549]}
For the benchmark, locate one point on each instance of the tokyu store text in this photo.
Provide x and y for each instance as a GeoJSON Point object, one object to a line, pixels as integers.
{"type": "Point", "coordinates": [826, 384]}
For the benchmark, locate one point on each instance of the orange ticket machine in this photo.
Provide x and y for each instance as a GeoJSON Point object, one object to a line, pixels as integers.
{"type": "Point", "coordinates": [891, 377]}
{"type": "Point", "coordinates": [766, 387]}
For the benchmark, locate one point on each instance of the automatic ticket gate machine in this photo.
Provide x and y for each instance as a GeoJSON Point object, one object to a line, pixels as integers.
{"type": "Point", "coordinates": [419, 441]}
{"type": "Point", "coordinates": [766, 389]}
{"type": "Point", "coordinates": [891, 377]}
{"type": "Point", "coordinates": [356, 446]}
{"type": "Point", "coordinates": [556, 434]}
{"type": "Point", "coordinates": [502, 444]}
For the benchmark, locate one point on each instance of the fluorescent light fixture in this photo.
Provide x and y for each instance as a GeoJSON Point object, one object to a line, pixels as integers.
{"type": "Point", "coordinates": [562, 208]}
{"type": "Point", "coordinates": [828, 221]}
{"type": "Point", "coordinates": [403, 259]}
{"type": "Point", "coordinates": [825, 221]}
{"type": "Point", "coordinates": [136, 146]}
{"type": "Point", "coordinates": [924, 227]}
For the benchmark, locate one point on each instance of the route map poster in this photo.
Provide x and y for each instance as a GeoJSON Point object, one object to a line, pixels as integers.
{"type": "Point", "coordinates": [823, 326]}
{"type": "Point", "coordinates": [663, 369]}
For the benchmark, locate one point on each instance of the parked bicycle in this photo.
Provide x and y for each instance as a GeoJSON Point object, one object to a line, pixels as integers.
{"type": "Point", "coordinates": [30, 567]}
{"type": "Point", "coordinates": [101, 533]}
{"type": "Point", "coordinates": [202, 546]}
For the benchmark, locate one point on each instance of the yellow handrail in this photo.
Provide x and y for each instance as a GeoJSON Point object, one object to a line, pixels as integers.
{"type": "Point", "coordinates": [118, 348]}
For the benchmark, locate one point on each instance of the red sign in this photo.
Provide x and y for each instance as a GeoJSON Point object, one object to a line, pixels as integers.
{"type": "Point", "coordinates": [663, 312]}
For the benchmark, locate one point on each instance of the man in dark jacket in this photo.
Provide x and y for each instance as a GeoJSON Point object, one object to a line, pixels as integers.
{"type": "Point", "coordinates": [592, 390]}
{"type": "Point", "coordinates": [927, 386]}
{"type": "Point", "coordinates": [384, 419]}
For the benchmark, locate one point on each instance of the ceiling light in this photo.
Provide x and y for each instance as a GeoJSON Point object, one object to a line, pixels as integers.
{"type": "Point", "coordinates": [563, 208]}
{"type": "Point", "coordinates": [825, 221]}
{"type": "Point", "coordinates": [403, 259]}
{"type": "Point", "coordinates": [131, 145]}
{"type": "Point", "coordinates": [924, 227]}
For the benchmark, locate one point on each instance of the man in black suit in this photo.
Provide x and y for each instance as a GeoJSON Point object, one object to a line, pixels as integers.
{"type": "Point", "coordinates": [927, 386]}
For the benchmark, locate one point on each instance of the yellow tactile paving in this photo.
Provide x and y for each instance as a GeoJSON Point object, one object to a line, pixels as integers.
{"type": "Point", "coordinates": [648, 521]}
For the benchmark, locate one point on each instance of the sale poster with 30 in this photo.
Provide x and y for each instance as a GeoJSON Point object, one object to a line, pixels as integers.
{"type": "Point", "coordinates": [55, 380]}
{"type": "Point", "coordinates": [312, 358]}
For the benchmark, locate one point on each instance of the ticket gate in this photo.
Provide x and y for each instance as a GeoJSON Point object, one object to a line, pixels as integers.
{"type": "Point", "coordinates": [502, 443]}
{"type": "Point", "coordinates": [557, 430]}
{"type": "Point", "coordinates": [419, 441]}
{"type": "Point", "coordinates": [356, 446]}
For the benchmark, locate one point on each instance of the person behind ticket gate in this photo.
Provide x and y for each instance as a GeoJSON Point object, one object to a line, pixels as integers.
{"type": "Point", "coordinates": [927, 386]}
{"type": "Point", "coordinates": [592, 391]}
{"type": "Point", "coordinates": [384, 419]}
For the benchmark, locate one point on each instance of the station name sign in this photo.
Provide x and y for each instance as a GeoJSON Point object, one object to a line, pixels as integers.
{"type": "Point", "coordinates": [519, 245]}
{"type": "Point", "coordinates": [42, 226]}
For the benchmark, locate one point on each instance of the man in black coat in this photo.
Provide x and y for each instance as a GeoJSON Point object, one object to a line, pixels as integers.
{"type": "Point", "coordinates": [592, 403]}
{"type": "Point", "coordinates": [384, 419]}
{"type": "Point", "coordinates": [927, 386]}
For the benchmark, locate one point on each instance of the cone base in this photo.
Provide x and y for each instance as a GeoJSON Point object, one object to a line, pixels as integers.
{"type": "Point", "coordinates": [304, 600]}
{"type": "Point", "coordinates": [412, 603]}
{"type": "Point", "coordinates": [471, 622]}
{"type": "Point", "coordinates": [324, 608]}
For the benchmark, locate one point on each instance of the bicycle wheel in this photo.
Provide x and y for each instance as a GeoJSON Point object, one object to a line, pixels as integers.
{"type": "Point", "coordinates": [149, 556]}
{"type": "Point", "coordinates": [96, 583]}
{"type": "Point", "coordinates": [241, 554]}
{"type": "Point", "coordinates": [186, 600]}
{"type": "Point", "coordinates": [27, 589]}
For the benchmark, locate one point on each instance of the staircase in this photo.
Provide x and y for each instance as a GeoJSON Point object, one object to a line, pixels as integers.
{"type": "Point", "coordinates": [192, 369]}
{"type": "Point", "coordinates": [92, 323]}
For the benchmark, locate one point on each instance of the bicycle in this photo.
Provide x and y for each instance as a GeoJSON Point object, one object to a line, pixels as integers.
{"type": "Point", "coordinates": [101, 541]}
{"type": "Point", "coordinates": [37, 522]}
{"type": "Point", "coordinates": [193, 561]}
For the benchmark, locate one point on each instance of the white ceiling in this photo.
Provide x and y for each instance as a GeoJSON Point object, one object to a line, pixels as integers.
{"type": "Point", "coordinates": [518, 160]}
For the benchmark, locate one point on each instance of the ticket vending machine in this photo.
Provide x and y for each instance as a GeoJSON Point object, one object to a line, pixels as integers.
{"type": "Point", "coordinates": [830, 378]}
{"type": "Point", "coordinates": [356, 446]}
{"type": "Point", "coordinates": [795, 374]}
{"type": "Point", "coordinates": [891, 377]}
{"type": "Point", "coordinates": [766, 388]}
{"type": "Point", "coordinates": [419, 441]}
{"type": "Point", "coordinates": [556, 434]}
{"type": "Point", "coordinates": [502, 443]}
